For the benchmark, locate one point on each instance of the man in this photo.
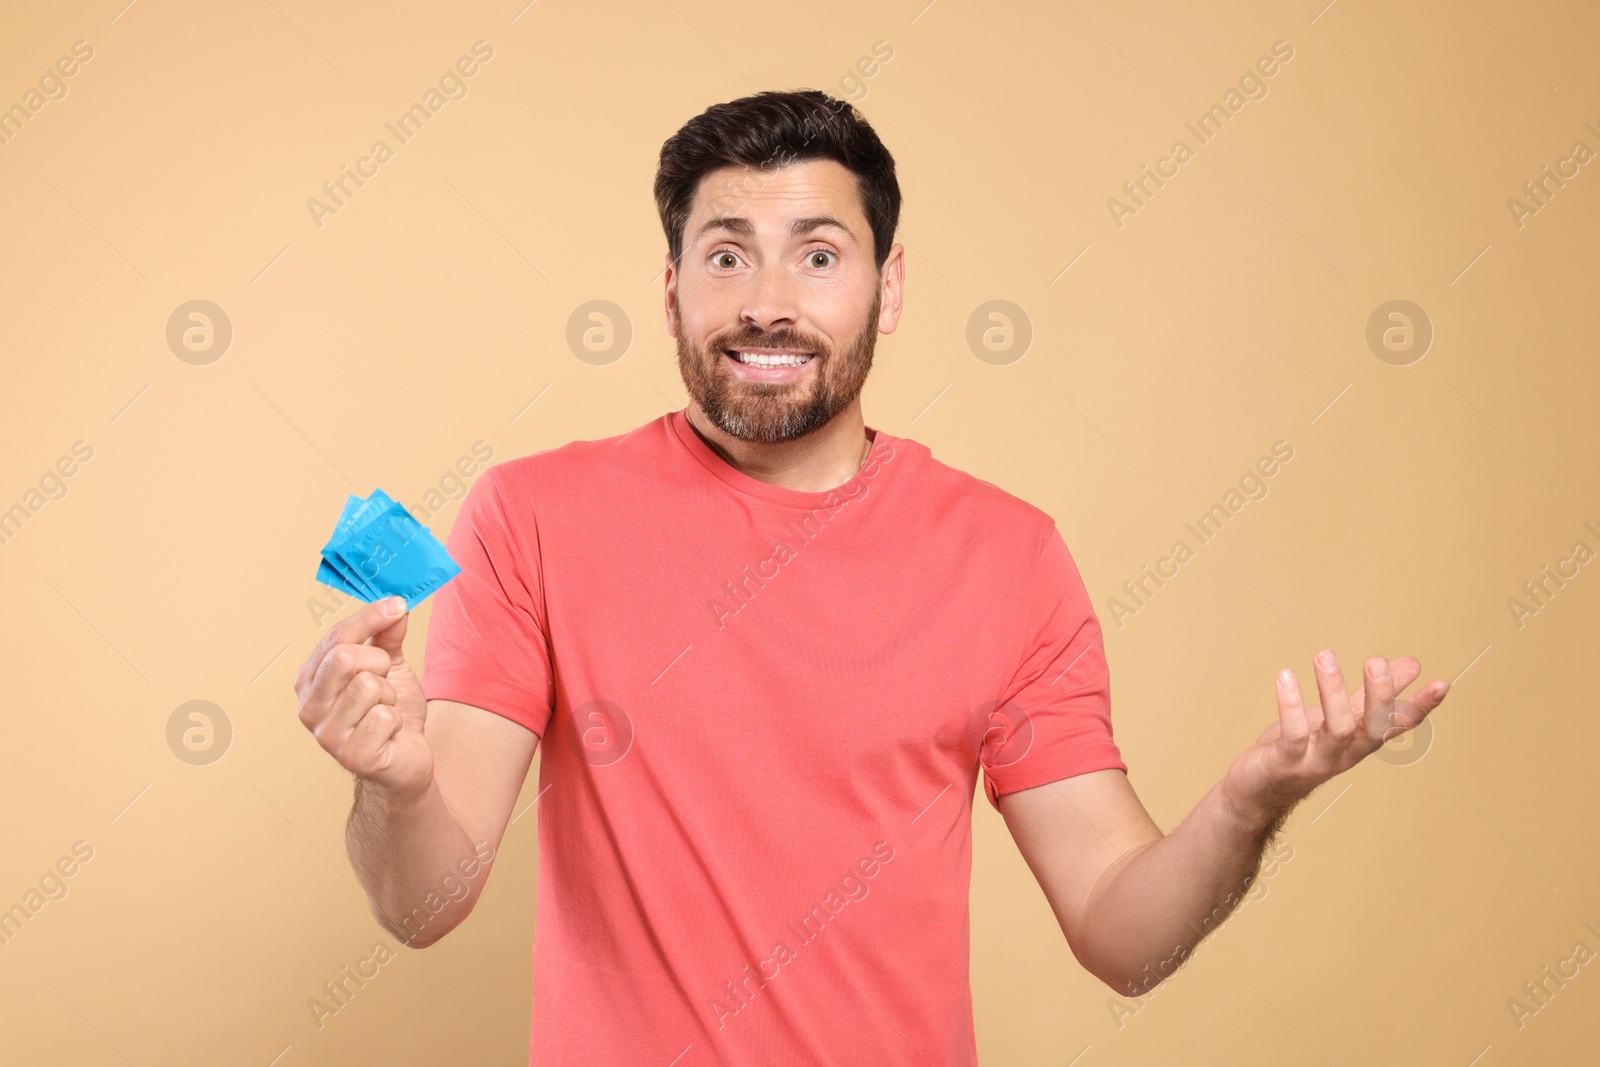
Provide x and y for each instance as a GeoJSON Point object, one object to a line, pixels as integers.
{"type": "Point", "coordinates": [767, 649]}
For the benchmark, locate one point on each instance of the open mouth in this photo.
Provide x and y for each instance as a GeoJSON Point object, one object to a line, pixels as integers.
{"type": "Point", "coordinates": [768, 357]}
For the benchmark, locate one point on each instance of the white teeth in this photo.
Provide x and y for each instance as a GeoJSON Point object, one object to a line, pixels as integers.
{"type": "Point", "coordinates": [759, 360]}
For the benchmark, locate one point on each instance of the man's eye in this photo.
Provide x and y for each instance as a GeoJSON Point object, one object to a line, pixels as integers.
{"type": "Point", "coordinates": [825, 256]}
{"type": "Point", "coordinates": [721, 256]}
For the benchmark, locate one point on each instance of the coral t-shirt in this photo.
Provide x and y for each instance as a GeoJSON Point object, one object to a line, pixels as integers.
{"type": "Point", "coordinates": [763, 712]}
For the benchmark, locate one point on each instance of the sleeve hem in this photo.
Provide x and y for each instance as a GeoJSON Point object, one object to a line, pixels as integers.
{"type": "Point", "coordinates": [508, 703]}
{"type": "Point", "coordinates": [1098, 759]}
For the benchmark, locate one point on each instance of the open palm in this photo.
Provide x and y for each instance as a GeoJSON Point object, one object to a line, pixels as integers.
{"type": "Point", "coordinates": [1307, 746]}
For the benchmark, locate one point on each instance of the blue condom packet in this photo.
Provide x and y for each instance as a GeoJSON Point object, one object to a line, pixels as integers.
{"type": "Point", "coordinates": [333, 571]}
{"type": "Point", "coordinates": [378, 549]}
{"type": "Point", "coordinates": [398, 556]}
{"type": "Point", "coordinates": [330, 575]}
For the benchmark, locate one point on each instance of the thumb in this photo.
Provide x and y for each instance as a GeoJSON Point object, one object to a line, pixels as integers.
{"type": "Point", "coordinates": [392, 637]}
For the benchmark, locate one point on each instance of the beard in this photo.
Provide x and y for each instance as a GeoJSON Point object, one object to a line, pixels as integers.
{"type": "Point", "coordinates": [772, 413]}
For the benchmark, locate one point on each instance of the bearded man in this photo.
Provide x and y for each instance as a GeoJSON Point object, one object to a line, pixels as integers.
{"type": "Point", "coordinates": [764, 651]}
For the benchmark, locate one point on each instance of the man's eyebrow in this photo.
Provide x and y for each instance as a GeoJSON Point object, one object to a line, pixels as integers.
{"type": "Point", "coordinates": [800, 227]}
{"type": "Point", "coordinates": [730, 223]}
{"type": "Point", "coordinates": [742, 226]}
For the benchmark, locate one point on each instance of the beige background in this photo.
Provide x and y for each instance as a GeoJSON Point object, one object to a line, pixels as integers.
{"type": "Point", "coordinates": [1229, 313]}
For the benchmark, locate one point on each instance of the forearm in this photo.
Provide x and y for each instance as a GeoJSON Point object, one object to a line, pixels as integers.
{"type": "Point", "coordinates": [1157, 902]}
{"type": "Point", "coordinates": [407, 853]}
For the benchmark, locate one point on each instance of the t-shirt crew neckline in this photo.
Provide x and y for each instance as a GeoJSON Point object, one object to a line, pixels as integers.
{"type": "Point", "coordinates": [776, 494]}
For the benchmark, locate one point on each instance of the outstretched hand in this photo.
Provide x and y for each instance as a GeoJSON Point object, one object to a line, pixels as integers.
{"type": "Point", "coordinates": [1307, 746]}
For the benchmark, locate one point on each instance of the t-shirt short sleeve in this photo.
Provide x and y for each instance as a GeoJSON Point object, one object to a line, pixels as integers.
{"type": "Point", "coordinates": [488, 645]}
{"type": "Point", "coordinates": [1053, 720]}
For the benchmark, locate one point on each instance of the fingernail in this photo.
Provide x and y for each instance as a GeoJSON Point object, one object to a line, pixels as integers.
{"type": "Point", "coordinates": [1329, 660]}
{"type": "Point", "coordinates": [395, 605]}
{"type": "Point", "coordinates": [1285, 677]}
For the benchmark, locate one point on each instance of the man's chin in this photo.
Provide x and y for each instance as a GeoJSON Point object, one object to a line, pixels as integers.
{"type": "Point", "coordinates": [764, 424]}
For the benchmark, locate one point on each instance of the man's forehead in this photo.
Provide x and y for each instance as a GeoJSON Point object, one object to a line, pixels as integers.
{"type": "Point", "coordinates": [776, 196]}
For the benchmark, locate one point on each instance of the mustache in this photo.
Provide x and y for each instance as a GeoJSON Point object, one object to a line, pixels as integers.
{"type": "Point", "coordinates": [768, 340]}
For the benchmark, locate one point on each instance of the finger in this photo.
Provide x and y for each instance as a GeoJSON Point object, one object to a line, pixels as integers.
{"type": "Point", "coordinates": [352, 630]}
{"type": "Point", "coordinates": [1341, 721]}
{"type": "Point", "coordinates": [365, 691]}
{"type": "Point", "coordinates": [392, 637]}
{"type": "Point", "coordinates": [1294, 732]}
{"type": "Point", "coordinates": [1314, 717]}
{"type": "Point", "coordinates": [1410, 712]}
{"type": "Point", "coordinates": [364, 749]}
{"type": "Point", "coordinates": [1378, 702]}
{"type": "Point", "coordinates": [1405, 670]}
{"type": "Point", "coordinates": [338, 668]}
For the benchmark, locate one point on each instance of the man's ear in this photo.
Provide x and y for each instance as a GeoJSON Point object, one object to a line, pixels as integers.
{"type": "Point", "coordinates": [892, 282]}
{"type": "Point", "coordinates": [669, 292]}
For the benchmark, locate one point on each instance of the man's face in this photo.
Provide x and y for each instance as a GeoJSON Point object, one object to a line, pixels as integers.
{"type": "Point", "coordinates": [776, 302]}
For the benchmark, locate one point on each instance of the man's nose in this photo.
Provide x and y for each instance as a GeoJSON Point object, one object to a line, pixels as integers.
{"type": "Point", "coordinates": [773, 301]}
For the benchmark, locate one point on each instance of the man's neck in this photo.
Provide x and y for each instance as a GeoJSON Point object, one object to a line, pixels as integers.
{"type": "Point", "coordinates": [823, 459]}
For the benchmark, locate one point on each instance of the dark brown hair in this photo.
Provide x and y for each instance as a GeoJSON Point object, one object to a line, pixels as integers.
{"type": "Point", "coordinates": [773, 129]}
